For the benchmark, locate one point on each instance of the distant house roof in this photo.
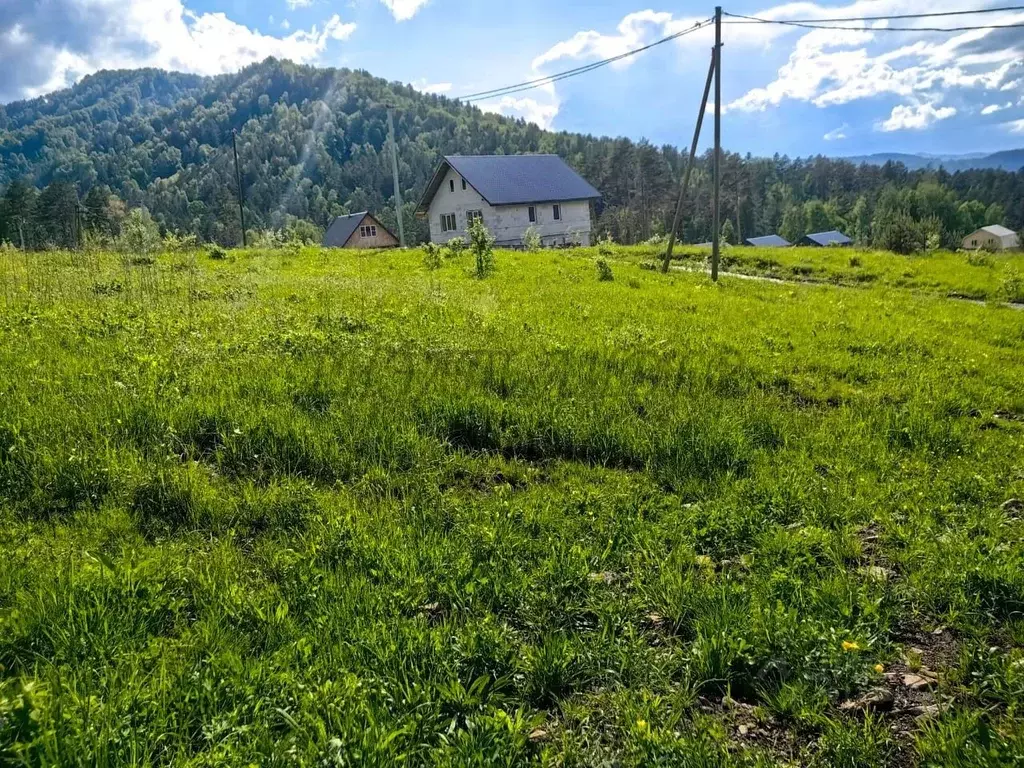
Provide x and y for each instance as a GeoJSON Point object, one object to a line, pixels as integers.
{"type": "Point", "coordinates": [832, 237]}
{"type": "Point", "coordinates": [768, 241]}
{"type": "Point", "coordinates": [998, 230]}
{"type": "Point", "coordinates": [343, 227]}
{"type": "Point", "coordinates": [513, 179]}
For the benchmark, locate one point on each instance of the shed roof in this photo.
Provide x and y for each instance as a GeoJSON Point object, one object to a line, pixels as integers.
{"type": "Point", "coordinates": [768, 240]}
{"type": "Point", "coordinates": [832, 237]}
{"type": "Point", "coordinates": [998, 230]}
{"type": "Point", "coordinates": [514, 179]}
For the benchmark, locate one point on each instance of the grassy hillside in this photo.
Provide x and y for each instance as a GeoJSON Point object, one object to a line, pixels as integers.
{"type": "Point", "coordinates": [303, 507]}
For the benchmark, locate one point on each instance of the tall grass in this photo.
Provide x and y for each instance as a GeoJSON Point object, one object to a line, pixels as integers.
{"type": "Point", "coordinates": [348, 510]}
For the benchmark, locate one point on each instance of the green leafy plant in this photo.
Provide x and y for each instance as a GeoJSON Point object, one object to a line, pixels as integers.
{"type": "Point", "coordinates": [531, 239]}
{"type": "Point", "coordinates": [604, 270]}
{"type": "Point", "coordinates": [481, 243]}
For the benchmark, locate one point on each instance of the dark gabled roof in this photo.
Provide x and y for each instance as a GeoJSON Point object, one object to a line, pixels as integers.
{"type": "Point", "coordinates": [343, 227]}
{"type": "Point", "coordinates": [768, 241]}
{"type": "Point", "coordinates": [514, 179]}
{"type": "Point", "coordinates": [833, 237]}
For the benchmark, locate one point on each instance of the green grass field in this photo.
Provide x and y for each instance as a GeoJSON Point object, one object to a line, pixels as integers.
{"type": "Point", "coordinates": [315, 508]}
{"type": "Point", "coordinates": [996, 277]}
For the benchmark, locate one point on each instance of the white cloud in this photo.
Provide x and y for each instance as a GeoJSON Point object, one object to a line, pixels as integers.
{"type": "Point", "coordinates": [293, 4]}
{"type": "Point", "coordinates": [285, 24]}
{"type": "Point", "coordinates": [831, 67]}
{"type": "Point", "coordinates": [993, 108]}
{"type": "Point", "coordinates": [403, 10]}
{"type": "Point", "coordinates": [1015, 126]}
{"type": "Point", "coordinates": [914, 117]}
{"type": "Point", "coordinates": [126, 34]}
{"type": "Point", "coordinates": [425, 87]}
{"type": "Point", "coordinates": [531, 110]}
{"type": "Point", "coordinates": [836, 134]}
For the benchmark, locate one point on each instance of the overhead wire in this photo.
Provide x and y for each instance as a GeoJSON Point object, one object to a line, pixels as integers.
{"type": "Point", "coordinates": [547, 80]}
{"type": "Point", "coordinates": [737, 18]}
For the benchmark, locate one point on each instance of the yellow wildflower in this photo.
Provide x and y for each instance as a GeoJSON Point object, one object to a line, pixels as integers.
{"type": "Point", "coordinates": [848, 646]}
{"type": "Point", "coordinates": [879, 668]}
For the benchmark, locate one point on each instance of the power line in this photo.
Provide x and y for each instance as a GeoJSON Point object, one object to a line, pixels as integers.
{"type": "Point", "coordinates": [892, 17]}
{"type": "Point", "coordinates": [814, 24]}
{"type": "Point", "coordinates": [540, 81]}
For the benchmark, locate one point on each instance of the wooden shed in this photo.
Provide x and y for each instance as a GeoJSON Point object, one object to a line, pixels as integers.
{"type": "Point", "coordinates": [358, 230]}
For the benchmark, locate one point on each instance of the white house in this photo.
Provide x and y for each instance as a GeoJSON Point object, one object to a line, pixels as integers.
{"type": "Point", "coordinates": [511, 193]}
{"type": "Point", "coordinates": [994, 236]}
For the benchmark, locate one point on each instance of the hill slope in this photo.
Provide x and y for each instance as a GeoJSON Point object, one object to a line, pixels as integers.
{"type": "Point", "coordinates": [1007, 160]}
{"type": "Point", "coordinates": [312, 145]}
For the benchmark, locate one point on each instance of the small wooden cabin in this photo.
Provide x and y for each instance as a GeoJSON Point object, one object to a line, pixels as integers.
{"type": "Point", "coordinates": [358, 230]}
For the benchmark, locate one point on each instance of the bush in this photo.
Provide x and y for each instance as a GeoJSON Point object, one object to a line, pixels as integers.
{"type": "Point", "coordinates": [481, 242]}
{"type": "Point", "coordinates": [217, 253]}
{"type": "Point", "coordinates": [455, 247]}
{"type": "Point", "coordinates": [432, 256]}
{"type": "Point", "coordinates": [897, 232]}
{"type": "Point", "coordinates": [604, 270]}
{"type": "Point", "coordinates": [531, 239]}
{"type": "Point", "coordinates": [140, 233]}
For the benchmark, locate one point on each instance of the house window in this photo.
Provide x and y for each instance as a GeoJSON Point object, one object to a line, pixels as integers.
{"type": "Point", "coordinates": [448, 222]}
{"type": "Point", "coordinates": [974, 242]}
{"type": "Point", "coordinates": [368, 231]}
{"type": "Point", "coordinates": [463, 183]}
{"type": "Point", "coordinates": [472, 216]}
{"type": "Point", "coordinates": [451, 184]}
{"type": "Point", "coordinates": [533, 214]}
{"type": "Point", "coordinates": [556, 211]}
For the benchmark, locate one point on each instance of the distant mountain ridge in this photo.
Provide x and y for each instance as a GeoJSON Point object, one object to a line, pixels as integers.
{"type": "Point", "coordinates": [1007, 160]}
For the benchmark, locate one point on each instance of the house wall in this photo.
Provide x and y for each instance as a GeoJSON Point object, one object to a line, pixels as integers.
{"type": "Point", "coordinates": [384, 239]}
{"type": "Point", "coordinates": [982, 239]}
{"type": "Point", "coordinates": [508, 223]}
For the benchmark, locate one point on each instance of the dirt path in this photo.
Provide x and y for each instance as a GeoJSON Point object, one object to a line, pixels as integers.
{"type": "Point", "coordinates": [808, 281]}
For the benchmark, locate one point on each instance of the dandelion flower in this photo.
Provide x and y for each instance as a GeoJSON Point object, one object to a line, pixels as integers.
{"type": "Point", "coordinates": [879, 668]}
{"type": "Point", "coordinates": [641, 724]}
{"type": "Point", "coordinates": [848, 646]}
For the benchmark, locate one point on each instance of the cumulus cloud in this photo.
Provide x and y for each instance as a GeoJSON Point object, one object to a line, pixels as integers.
{"type": "Point", "coordinates": [915, 117]}
{"type": "Point", "coordinates": [293, 4]}
{"type": "Point", "coordinates": [403, 10]}
{"type": "Point", "coordinates": [38, 56]}
{"type": "Point", "coordinates": [836, 134]}
{"type": "Point", "coordinates": [831, 67]}
{"type": "Point", "coordinates": [993, 108]}
{"type": "Point", "coordinates": [530, 109]}
{"type": "Point", "coordinates": [1015, 126]}
{"type": "Point", "coordinates": [438, 88]}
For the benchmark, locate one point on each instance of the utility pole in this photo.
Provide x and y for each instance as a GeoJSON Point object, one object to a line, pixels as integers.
{"type": "Point", "coordinates": [394, 172]}
{"type": "Point", "coordinates": [718, 143]}
{"type": "Point", "coordinates": [238, 182]}
{"type": "Point", "coordinates": [685, 183]}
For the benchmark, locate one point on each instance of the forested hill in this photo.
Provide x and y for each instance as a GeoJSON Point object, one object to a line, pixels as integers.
{"type": "Point", "coordinates": [312, 145]}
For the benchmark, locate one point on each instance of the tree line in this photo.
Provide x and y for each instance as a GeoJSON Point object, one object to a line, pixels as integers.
{"type": "Point", "coordinates": [313, 145]}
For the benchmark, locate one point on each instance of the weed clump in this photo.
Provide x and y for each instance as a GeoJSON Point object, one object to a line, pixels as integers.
{"type": "Point", "coordinates": [604, 270]}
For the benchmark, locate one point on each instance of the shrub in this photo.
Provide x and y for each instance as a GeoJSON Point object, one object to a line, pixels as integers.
{"type": "Point", "coordinates": [455, 247]}
{"type": "Point", "coordinates": [897, 232]}
{"type": "Point", "coordinates": [531, 239]}
{"type": "Point", "coordinates": [855, 261]}
{"type": "Point", "coordinates": [432, 256]}
{"type": "Point", "coordinates": [217, 253]}
{"type": "Point", "coordinates": [481, 242]}
{"type": "Point", "coordinates": [604, 270]}
{"type": "Point", "coordinates": [1012, 286]}
{"type": "Point", "coordinates": [140, 233]}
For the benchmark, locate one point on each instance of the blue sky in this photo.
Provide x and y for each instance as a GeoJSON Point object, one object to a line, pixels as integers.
{"type": "Point", "coordinates": [787, 90]}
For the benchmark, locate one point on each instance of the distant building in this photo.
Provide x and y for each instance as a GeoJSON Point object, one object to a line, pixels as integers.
{"type": "Point", "coordinates": [832, 237]}
{"type": "Point", "coordinates": [358, 230]}
{"type": "Point", "coordinates": [768, 241]}
{"type": "Point", "coordinates": [511, 193]}
{"type": "Point", "coordinates": [994, 236]}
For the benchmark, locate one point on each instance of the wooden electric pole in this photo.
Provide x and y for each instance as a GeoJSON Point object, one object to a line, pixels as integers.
{"type": "Point", "coordinates": [394, 172]}
{"type": "Point", "coordinates": [718, 144]}
{"type": "Point", "coordinates": [238, 182]}
{"type": "Point", "coordinates": [685, 183]}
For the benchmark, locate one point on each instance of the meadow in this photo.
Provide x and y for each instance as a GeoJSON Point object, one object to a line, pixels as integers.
{"type": "Point", "coordinates": [301, 507]}
{"type": "Point", "coordinates": [981, 276]}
